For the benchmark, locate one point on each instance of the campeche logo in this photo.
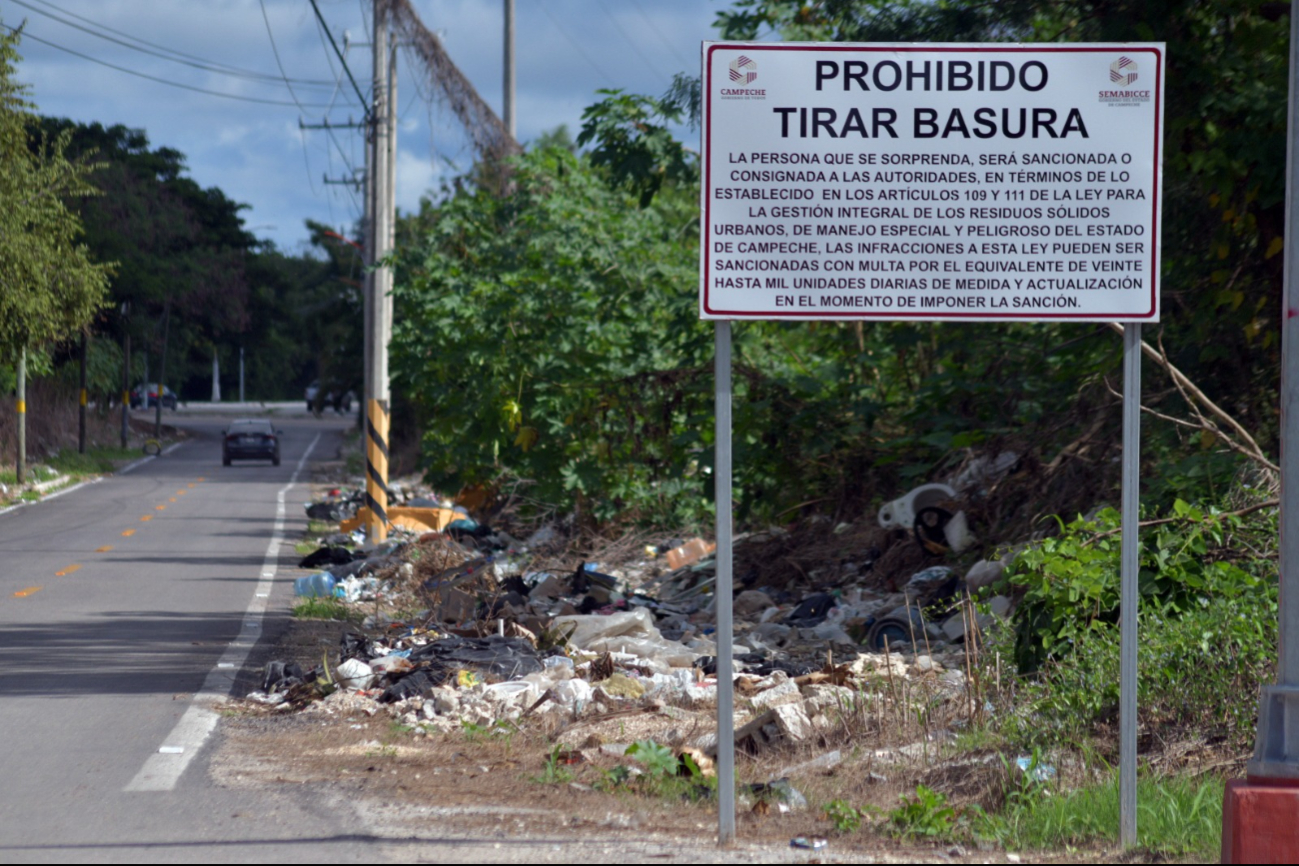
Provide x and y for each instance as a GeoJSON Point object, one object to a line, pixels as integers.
{"type": "Point", "coordinates": [744, 70]}
{"type": "Point", "coordinates": [1119, 76]}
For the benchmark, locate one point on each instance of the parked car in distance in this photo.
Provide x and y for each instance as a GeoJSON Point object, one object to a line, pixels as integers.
{"type": "Point", "coordinates": [147, 395]}
{"type": "Point", "coordinates": [341, 403]}
{"type": "Point", "coordinates": [250, 439]}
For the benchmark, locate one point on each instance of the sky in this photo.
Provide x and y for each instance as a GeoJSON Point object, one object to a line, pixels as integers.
{"type": "Point", "coordinates": [257, 153]}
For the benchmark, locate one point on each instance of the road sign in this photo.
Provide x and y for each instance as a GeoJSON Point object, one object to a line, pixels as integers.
{"type": "Point", "coordinates": [943, 182]}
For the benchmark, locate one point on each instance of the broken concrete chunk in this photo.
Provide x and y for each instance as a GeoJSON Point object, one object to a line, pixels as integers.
{"type": "Point", "coordinates": [984, 573]}
{"type": "Point", "coordinates": [783, 693]}
{"type": "Point", "coordinates": [751, 603]}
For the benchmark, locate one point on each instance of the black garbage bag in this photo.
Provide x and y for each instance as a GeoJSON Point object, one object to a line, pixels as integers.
{"type": "Point", "coordinates": [793, 669]}
{"type": "Point", "coordinates": [327, 555]}
{"type": "Point", "coordinates": [332, 510]}
{"type": "Point", "coordinates": [812, 611]}
{"type": "Point", "coordinates": [356, 646]}
{"type": "Point", "coordinates": [505, 658]}
{"type": "Point", "coordinates": [583, 580]}
{"type": "Point", "coordinates": [280, 676]}
{"type": "Point", "coordinates": [416, 684]}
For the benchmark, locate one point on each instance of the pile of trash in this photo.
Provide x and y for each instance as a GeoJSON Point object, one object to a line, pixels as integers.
{"type": "Point", "coordinates": [465, 624]}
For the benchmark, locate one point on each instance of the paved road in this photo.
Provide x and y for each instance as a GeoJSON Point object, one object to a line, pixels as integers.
{"type": "Point", "coordinates": [117, 603]}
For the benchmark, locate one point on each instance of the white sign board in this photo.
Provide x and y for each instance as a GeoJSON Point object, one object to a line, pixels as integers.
{"type": "Point", "coordinates": [944, 182]}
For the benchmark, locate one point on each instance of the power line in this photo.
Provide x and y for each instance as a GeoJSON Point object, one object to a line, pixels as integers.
{"type": "Point", "coordinates": [630, 41]}
{"type": "Point", "coordinates": [545, 7]}
{"type": "Point", "coordinates": [28, 35]}
{"type": "Point", "coordinates": [667, 42]}
{"type": "Point", "coordinates": [280, 64]}
{"type": "Point", "coordinates": [180, 57]}
{"type": "Point", "coordinates": [341, 58]}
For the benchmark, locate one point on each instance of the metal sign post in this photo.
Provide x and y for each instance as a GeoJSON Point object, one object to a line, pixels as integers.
{"type": "Point", "coordinates": [1128, 569]}
{"type": "Point", "coordinates": [723, 591]}
{"type": "Point", "coordinates": [950, 182]}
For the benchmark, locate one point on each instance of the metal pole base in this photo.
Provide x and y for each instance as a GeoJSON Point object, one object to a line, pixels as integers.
{"type": "Point", "coordinates": [1276, 753]}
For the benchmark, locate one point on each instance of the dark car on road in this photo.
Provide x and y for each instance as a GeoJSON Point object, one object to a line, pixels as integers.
{"type": "Point", "coordinates": [250, 439]}
{"type": "Point", "coordinates": [147, 395]}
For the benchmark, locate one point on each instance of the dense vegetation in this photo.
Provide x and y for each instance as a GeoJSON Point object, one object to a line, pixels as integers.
{"type": "Point", "coordinates": [551, 336]}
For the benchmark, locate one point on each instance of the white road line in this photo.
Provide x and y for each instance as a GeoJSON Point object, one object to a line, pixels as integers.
{"type": "Point", "coordinates": [161, 771]}
{"type": "Point", "coordinates": [130, 467]}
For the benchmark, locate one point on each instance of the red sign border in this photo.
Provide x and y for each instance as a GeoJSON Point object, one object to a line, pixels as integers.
{"type": "Point", "coordinates": [1010, 48]}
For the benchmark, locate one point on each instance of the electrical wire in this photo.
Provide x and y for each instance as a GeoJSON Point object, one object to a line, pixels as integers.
{"type": "Point", "coordinates": [630, 41]}
{"type": "Point", "coordinates": [545, 7]}
{"type": "Point", "coordinates": [180, 57]}
{"type": "Point", "coordinates": [659, 33]}
{"type": "Point", "coordinates": [26, 34]}
{"type": "Point", "coordinates": [311, 181]}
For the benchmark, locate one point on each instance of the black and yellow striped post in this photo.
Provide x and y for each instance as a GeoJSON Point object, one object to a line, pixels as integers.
{"type": "Point", "coordinates": [376, 468]}
{"type": "Point", "coordinates": [20, 404]}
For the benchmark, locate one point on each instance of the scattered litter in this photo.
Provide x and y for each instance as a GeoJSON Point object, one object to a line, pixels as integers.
{"type": "Point", "coordinates": [1038, 772]}
{"type": "Point", "coordinates": [803, 842]}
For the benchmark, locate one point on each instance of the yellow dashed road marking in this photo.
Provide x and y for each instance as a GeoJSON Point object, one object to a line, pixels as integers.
{"type": "Point", "coordinates": [159, 508]}
{"type": "Point", "coordinates": [104, 549]}
{"type": "Point", "coordinates": [23, 593]}
{"type": "Point", "coordinates": [65, 572]}
{"type": "Point", "coordinates": [173, 499]}
{"type": "Point", "coordinates": [181, 492]}
{"type": "Point", "coordinates": [191, 485]}
{"type": "Point", "coordinates": [128, 533]}
{"type": "Point", "coordinates": [147, 518]}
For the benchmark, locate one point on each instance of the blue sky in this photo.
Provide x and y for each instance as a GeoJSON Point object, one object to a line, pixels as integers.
{"type": "Point", "coordinates": [565, 50]}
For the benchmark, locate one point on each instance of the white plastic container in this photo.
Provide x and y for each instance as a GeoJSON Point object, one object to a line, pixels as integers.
{"type": "Point", "coordinates": [901, 513]}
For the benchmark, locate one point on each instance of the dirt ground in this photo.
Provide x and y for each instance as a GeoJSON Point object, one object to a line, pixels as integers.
{"type": "Point", "coordinates": [481, 796]}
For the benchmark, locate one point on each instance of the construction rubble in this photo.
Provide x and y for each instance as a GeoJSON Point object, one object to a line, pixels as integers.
{"type": "Point", "coordinates": [463, 625]}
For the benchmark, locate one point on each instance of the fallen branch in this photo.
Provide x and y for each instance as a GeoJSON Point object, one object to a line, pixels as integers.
{"type": "Point", "coordinates": [1179, 378]}
{"type": "Point", "coordinates": [1258, 506]}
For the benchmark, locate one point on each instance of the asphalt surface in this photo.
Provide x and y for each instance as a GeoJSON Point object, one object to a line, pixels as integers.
{"type": "Point", "coordinates": [118, 601]}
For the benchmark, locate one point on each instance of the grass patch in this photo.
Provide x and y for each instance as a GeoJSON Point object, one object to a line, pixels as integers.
{"type": "Point", "coordinates": [325, 608]}
{"type": "Point", "coordinates": [1176, 816]}
{"type": "Point", "coordinates": [96, 461]}
{"type": "Point", "coordinates": [35, 472]}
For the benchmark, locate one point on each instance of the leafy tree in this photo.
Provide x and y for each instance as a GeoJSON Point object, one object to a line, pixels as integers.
{"type": "Point", "coordinates": [50, 286]}
{"type": "Point", "coordinates": [178, 246]}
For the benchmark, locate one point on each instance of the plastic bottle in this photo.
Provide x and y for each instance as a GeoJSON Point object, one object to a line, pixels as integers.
{"type": "Point", "coordinates": [318, 585]}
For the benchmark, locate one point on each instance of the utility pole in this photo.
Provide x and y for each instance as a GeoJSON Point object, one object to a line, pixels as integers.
{"type": "Point", "coordinates": [216, 376]}
{"type": "Point", "coordinates": [162, 371]}
{"type": "Point", "coordinates": [509, 67]}
{"type": "Point", "coordinates": [20, 466]}
{"type": "Point", "coordinates": [380, 179]}
{"type": "Point", "coordinates": [241, 374]}
{"type": "Point", "coordinates": [126, 386]}
{"type": "Point", "coordinates": [82, 397]}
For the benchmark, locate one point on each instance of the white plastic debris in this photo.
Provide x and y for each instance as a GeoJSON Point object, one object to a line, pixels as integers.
{"type": "Point", "coordinates": [354, 674]}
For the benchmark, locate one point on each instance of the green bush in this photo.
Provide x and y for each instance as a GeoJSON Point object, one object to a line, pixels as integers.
{"type": "Point", "coordinates": [1208, 627]}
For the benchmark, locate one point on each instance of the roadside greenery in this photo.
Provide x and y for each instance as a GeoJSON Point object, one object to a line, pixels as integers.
{"type": "Point", "coordinates": [50, 284]}
{"type": "Point", "coordinates": [1208, 595]}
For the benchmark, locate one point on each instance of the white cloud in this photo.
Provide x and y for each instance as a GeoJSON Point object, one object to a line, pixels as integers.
{"type": "Point", "coordinates": [566, 49]}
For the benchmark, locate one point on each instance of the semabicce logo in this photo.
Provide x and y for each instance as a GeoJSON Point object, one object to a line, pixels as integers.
{"type": "Point", "coordinates": [742, 72]}
{"type": "Point", "coordinates": [1123, 74]}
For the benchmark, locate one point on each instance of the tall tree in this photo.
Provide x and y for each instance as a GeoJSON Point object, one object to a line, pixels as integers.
{"type": "Point", "coordinates": [49, 285]}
